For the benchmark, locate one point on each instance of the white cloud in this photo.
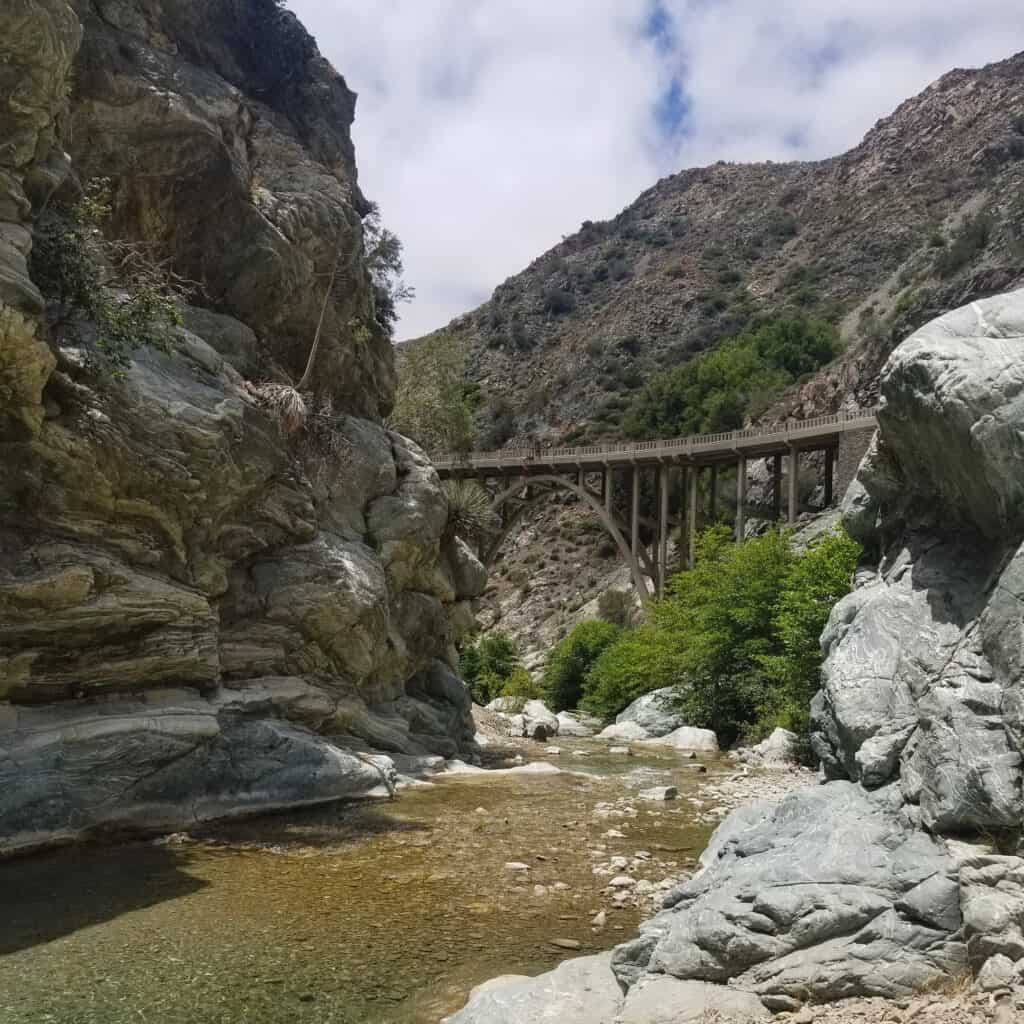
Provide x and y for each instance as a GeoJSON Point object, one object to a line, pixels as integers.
{"type": "Point", "coordinates": [487, 129]}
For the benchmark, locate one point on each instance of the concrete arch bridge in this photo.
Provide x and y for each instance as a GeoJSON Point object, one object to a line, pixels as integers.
{"type": "Point", "coordinates": [520, 478]}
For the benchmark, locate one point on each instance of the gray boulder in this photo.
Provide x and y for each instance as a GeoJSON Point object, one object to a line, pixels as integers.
{"type": "Point", "coordinates": [576, 723]}
{"type": "Point", "coordinates": [653, 712]}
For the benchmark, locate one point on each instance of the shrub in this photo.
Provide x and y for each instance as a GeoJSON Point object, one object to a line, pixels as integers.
{"type": "Point", "coordinates": [469, 509]}
{"type": "Point", "coordinates": [558, 302]}
{"type": "Point", "coordinates": [487, 665]}
{"type": "Point", "coordinates": [571, 661]}
{"type": "Point", "coordinates": [717, 390]}
{"type": "Point", "coordinates": [520, 687]}
{"type": "Point", "coordinates": [972, 237]}
{"type": "Point", "coordinates": [616, 606]}
{"type": "Point", "coordinates": [431, 404]}
{"type": "Point", "coordinates": [131, 298]}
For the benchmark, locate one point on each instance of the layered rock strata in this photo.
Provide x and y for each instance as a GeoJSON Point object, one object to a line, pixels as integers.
{"type": "Point", "coordinates": [196, 618]}
{"type": "Point", "coordinates": [903, 871]}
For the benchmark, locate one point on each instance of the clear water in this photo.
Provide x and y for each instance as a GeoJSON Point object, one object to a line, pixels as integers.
{"type": "Point", "coordinates": [383, 913]}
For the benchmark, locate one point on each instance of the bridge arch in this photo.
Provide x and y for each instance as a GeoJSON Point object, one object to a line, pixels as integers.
{"type": "Point", "coordinates": [551, 480]}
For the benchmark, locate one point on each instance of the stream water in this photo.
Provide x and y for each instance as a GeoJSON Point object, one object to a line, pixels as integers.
{"type": "Point", "coordinates": [376, 913]}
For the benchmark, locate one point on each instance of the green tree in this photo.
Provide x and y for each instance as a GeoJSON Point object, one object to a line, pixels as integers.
{"type": "Point", "coordinates": [432, 405]}
{"type": "Point", "coordinates": [815, 582]}
{"type": "Point", "coordinates": [487, 665]}
{"type": "Point", "coordinates": [519, 688]}
{"type": "Point", "coordinates": [571, 661]}
{"type": "Point", "coordinates": [718, 390]}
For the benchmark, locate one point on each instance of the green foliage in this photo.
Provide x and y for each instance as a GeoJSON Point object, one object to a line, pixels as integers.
{"type": "Point", "coordinates": [641, 660]}
{"type": "Point", "coordinates": [487, 665]}
{"type": "Point", "coordinates": [971, 238]}
{"type": "Point", "coordinates": [740, 630]}
{"type": "Point", "coordinates": [130, 298]}
{"type": "Point", "coordinates": [571, 661]}
{"type": "Point", "coordinates": [384, 261]}
{"type": "Point", "coordinates": [519, 688]}
{"type": "Point", "coordinates": [719, 389]}
{"type": "Point", "coordinates": [432, 405]}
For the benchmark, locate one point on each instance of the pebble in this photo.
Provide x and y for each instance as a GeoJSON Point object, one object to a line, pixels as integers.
{"type": "Point", "coordinates": [566, 943]}
{"type": "Point", "coordinates": [553, 751]}
{"type": "Point", "coordinates": [618, 863]}
{"type": "Point", "coordinates": [561, 887]}
{"type": "Point", "coordinates": [600, 918]}
{"type": "Point", "coordinates": [622, 882]}
{"type": "Point", "coordinates": [517, 865]}
{"type": "Point", "coordinates": [540, 890]}
{"type": "Point", "coordinates": [613, 833]}
{"type": "Point", "coordinates": [620, 750]}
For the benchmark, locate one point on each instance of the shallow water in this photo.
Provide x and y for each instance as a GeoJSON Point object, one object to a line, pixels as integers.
{"type": "Point", "coordinates": [384, 913]}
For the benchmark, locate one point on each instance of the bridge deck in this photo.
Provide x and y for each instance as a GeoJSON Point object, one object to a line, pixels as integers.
{"type": "Point", "coordinates": [699, 450]}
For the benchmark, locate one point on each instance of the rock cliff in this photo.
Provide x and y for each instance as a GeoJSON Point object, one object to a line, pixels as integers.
{"type": "Point", "coordinates": [196, 618]}
{"type": "Point", "coordinates": [903, 870]}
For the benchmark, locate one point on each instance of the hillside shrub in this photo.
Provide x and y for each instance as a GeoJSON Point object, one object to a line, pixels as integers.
{"type": "Point", "coordinates": [616, 606]}
{"type": "Point", "coordinates": [717, 390]}
{"type": "Point", "coordinates": [558, 302]}
{"type": "Point", "coordinates": [971, 238]}
{"type": "Point", "coordinates": [520, 687]}
{"type": "Point", "coordinates": [572, 659]}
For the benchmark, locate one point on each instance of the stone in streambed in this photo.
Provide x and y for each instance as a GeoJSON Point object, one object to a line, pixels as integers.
{"type": "Point", "coordinates": [659, 793]}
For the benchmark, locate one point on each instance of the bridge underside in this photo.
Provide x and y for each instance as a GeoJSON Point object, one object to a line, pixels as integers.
{"type": "Point", "coordinates": [684, 485]}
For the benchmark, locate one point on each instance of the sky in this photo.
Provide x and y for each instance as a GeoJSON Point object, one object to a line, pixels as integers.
{"type": "Point", "coordinates": [488, 129]}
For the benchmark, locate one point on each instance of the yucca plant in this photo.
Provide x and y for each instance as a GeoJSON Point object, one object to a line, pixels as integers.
{"type": "Point", "coordinates": [470, 515]}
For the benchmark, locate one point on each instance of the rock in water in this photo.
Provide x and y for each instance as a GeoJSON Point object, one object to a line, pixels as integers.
{"type": "Point", "coordinates": [688, 738]}
{"type": "Point", "coordinates": [659, 793]}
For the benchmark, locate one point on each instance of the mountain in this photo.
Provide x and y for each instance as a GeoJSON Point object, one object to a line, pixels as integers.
{"type": "Point", "coordinates": [925, 214]}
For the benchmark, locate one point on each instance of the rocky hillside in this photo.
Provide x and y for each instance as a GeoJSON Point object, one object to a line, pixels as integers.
{"type": "Point", "coordinates": [903, 872]}
{"type": "Point", "coordinates": [925, 214]}
{"type": "Point", "coordinates": [205, 608]}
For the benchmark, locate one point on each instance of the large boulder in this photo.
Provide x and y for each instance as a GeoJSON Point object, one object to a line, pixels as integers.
{"type": "Point", "coordinates": [576, 723]}
{"type": "Point", "coordinates": [654, 712]}
{"type": "Point", "coordinates": [686, 737]}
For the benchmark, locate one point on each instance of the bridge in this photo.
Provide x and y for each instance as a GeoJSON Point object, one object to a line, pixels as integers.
{"type": "Point", "coordinates": [520, 477]}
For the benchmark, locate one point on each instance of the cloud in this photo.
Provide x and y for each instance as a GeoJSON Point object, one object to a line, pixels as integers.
{"type": "Point", "coordinates": [486, 129]}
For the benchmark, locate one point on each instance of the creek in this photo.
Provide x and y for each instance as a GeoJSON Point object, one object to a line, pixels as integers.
{"type": "Point", "coordinates": [372, 913]}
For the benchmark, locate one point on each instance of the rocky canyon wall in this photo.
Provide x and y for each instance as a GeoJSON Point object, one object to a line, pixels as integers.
{"type": "Point", "coordinates": [197, 620]}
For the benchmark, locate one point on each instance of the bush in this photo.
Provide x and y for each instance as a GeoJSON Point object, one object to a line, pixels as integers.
{"type": "Point", "coordinates": [741, 629]}
{"type": "Point", "coordinates": [519, 688]}
{"type": "Point", "coordinates": [972, 237]}
{"type": "Point", "coordinates": [487, 665]}
{"type": "Point", "coordinates": [131, 298]}
{"type": "Point", "coordinates": [571, 661]}
{"type": "Point", "coordinates": [558, 302]}
{"type": "Point", "coordinates": [717, 390]}
{"type": "Point", "coordinates": [616, 606]}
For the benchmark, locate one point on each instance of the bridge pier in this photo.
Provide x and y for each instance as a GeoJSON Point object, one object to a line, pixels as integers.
{"type": "Point", "coordinates": [663, 482]}
{"type": "Point", "coordinates": [741, 498]}
{"type": "Point", "coordinates": [691, 515]}
{"type": "Point", "coordinates": [830, 473]}
{"type": "Point", "coordinates": [793, 482]}
{"type": "Point", "coordinates": [634, 515]}
{"type": "Point", "coordinates": [777, 486]}
{"type": "Point", "coordinates": [714, 493]}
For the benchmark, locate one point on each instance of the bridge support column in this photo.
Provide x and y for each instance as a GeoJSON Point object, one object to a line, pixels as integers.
{"type": "Point", "coordinates": [662, 529]}
{"type": "Point", "coordinates": [606, 485]}
{"type": "Point", "coordinates": [741, 498]}
{"type": "Point", "coordinates": [634, 518]}
{"type": "Point", "coordinates": [691, 516]}
{"type": "Point", "coordinates": [581, 479]}
{"type": "Point", "coordinates": [777, 486]}
{"type": "Point", "coordinates": [830, 473]}
{"type": "Point", "coordinates": [714, 493]}
{"type": "Point", "coordinates": [793, 482]}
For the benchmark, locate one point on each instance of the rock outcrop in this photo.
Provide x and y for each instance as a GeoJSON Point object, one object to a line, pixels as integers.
{"type": "Point", "coordinates": [197, 618]}
{"type": "Point", "coordinates": [904, 870]}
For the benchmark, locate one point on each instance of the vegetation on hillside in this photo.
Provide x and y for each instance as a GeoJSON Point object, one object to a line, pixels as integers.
{"type": "Point", "coordinates": [738, 634]}
{"type": "Point", "coordinates": [488, 665]}
{"type": "Point", "coordinates": [717, 391]}
{"type": "Point", "coordinates": [433, 403]}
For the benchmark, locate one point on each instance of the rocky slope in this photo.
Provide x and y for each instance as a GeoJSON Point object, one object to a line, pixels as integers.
{"type": "Point", "coordinates": [196, 619]}
{"type": "Point", "coordinates": [903, 871]}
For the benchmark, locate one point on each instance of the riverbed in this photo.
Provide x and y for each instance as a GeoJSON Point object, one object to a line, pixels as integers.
{"type": "Point", "coordinates": [374, 913]}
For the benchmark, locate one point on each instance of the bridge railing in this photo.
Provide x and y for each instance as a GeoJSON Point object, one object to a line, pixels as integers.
{"type": "Point", "coordinates": [697, 444]}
